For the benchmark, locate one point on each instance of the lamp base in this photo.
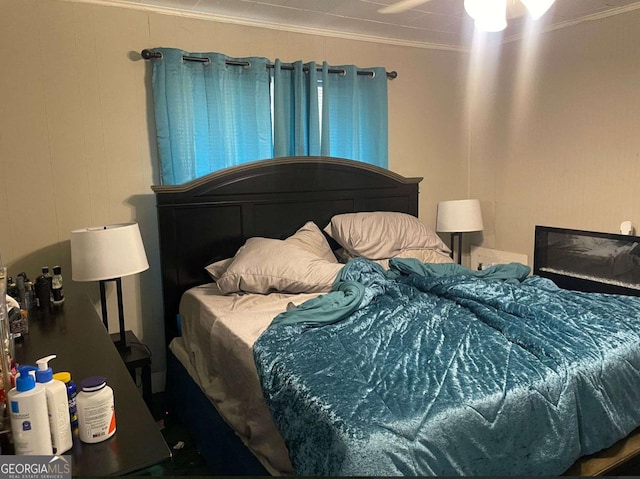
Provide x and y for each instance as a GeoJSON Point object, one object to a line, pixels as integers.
{"type": "Point", "coordinates": [125, 345]}
{"type": "Point", "coordinates": [453, 238]}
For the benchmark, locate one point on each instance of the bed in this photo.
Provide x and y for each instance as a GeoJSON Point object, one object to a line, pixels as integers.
{"type": "Point", "coordinates": [209, 220]}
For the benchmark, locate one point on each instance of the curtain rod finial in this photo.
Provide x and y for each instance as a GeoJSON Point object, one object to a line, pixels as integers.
{"type": "Point", "coordinates": [149, 54]}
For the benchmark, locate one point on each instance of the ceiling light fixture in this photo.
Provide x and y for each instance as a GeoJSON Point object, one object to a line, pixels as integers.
{"type": "Point", "coordinates": [537, 8]}
{"type": "Point", "coordinates": [491, 15]}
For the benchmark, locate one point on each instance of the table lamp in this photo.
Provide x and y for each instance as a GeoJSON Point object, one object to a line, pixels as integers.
{"type": "Point", "coordinates": [457, 217]}
{"type": "Point", "coordinates": [105, 254]}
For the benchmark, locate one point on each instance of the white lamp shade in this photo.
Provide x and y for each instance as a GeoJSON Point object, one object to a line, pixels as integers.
{"type": "Point", "coordinates": [492, 16]}
{"type": "Point", "coordinates": [537, 8]}
{"type": "Point", "coordinates": [473, 8]}
{"type": "Point", "coordinates": [459, 216]}
{"type": "Point", "coordinates": [107, 252]}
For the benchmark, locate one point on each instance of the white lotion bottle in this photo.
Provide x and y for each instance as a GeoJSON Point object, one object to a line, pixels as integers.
{"type": "Point", "coordinates": [57, 405]}
{"type": "Point", "coordinates": [29, 417]}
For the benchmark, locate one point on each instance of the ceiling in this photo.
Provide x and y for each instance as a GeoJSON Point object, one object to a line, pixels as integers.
{"type": "Point", "coordinates": [434, 24]}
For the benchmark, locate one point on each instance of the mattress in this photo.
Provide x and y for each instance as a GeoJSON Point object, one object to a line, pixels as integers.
{"type": "Point", "coordinates": [216, 348]}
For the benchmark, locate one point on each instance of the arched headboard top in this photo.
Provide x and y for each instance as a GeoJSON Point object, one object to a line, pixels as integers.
{"type": "Point", "coordinates": [209, 218]}
{"type": "Point", "coordinates": [259, 170]}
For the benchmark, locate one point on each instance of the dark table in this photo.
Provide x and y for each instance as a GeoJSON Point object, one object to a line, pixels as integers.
{"type": "Point", "coordinates": [76, 334]}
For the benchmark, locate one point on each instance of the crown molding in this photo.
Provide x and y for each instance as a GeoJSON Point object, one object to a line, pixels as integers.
{"type": "Point", "coordinates": [577, 21]}
{"type": "Point", "coordinates": [269, 25]}
{"type": "Point", "coordinates": [341, 34]}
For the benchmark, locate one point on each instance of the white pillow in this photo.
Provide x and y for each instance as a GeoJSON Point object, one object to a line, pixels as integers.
{"type": "Point", "coordinates": [427, 255]}
{"type": "Point", "coordinates": [264, 265]}
{"type": "Point", "coordinates": [309, 238]}
{"type": "Point", "coordinates": [218, 268]}
{"type": "Point", "coordinates": [382, 234]}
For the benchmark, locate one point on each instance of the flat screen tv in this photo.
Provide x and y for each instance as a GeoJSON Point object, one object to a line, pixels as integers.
{"type": "Point", "coordinates": [588, 260]}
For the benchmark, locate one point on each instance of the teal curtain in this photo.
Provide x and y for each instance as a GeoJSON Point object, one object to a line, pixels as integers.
{"type": "Point", "coordinates": [296, 124]}
{"type": "Point", "coordinates": [212, 115]}
{"type": "Point", "coordinates": [209, 115]}
{"type": "Point", "coordinates": [350, 121]}
{"type": "Point", "coordinates": [356, 120]}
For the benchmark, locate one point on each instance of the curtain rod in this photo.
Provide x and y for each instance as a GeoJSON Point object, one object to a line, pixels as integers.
{"type": "Point", "coordinates": [149, 54]}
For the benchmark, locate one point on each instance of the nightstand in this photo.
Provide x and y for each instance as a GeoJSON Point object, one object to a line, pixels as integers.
{"type": "Point", "coordinates": [138, 356]}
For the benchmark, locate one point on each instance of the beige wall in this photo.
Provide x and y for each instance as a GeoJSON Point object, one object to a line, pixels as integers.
{"type": "Point", "coordinates": [77, 145]}
{"type": "Point", "coordinates": [543, 132]}
{"type": "Point", "coordinates": [560, 143]}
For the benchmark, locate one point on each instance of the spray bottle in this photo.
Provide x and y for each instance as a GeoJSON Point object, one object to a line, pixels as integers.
{"type": "Point", "coordinates": [29, 418]}
{"type": "Point", "coordinates": [57, 405]}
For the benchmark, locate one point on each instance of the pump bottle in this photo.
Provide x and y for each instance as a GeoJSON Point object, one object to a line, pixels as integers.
{"type": "Point", "coordinates": [57, 405]}
{"type": "Point", "coordinates": [29, 419]}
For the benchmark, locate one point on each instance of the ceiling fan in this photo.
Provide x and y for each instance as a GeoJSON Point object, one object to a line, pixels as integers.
{"type": "Point", "coordinates": [489, 15]}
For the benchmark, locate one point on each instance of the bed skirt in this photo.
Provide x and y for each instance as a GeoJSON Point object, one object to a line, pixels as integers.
{"type": "Point", "coordinates": [224, 452]}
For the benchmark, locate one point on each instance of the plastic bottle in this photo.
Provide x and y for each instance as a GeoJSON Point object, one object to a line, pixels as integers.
{"type": "Point", "coordinates": [20, 326]}
{"type": "Point", "coordinates": [96, 411]}
{"type": "Point", "coordinates": [49, 278]}
{"type": "Point", "coordinates": [43, 291]}
{"type": "Point", "coordinates": [56, 286]}
{"type": "Point", "coordinates": [31, 295]}
{"type": "Point", "coordinates": [29, 418]}
{"type": "Point", "coordinates": [65, 377]}
{"type": "Point", "coordinates": [57, 405]}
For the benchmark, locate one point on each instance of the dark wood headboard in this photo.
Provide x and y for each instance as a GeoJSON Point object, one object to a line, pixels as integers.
{"type": "Point", "coordinates": [208, 219]}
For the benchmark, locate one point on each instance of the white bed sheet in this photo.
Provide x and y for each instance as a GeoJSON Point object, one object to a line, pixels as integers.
{"type": "Point", "coordinates": [216, 348]}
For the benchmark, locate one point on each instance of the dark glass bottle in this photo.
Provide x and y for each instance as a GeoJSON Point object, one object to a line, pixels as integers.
{"type": "Point", "coordinates": [58, 292]}
{"type": "Point", "coordinates": [43, 290]}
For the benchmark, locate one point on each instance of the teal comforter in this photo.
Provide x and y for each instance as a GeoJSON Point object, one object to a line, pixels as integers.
{"type": "Point", "coordinates": [428, 370]}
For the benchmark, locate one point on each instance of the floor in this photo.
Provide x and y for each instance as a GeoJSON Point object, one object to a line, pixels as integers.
{"type": "Point", "coordinates": [185, 460]}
